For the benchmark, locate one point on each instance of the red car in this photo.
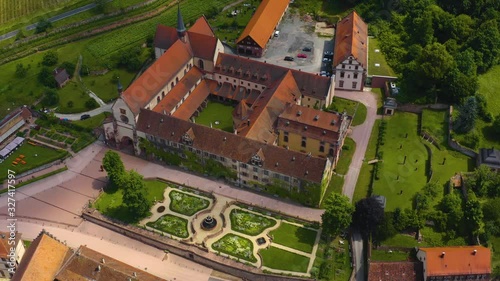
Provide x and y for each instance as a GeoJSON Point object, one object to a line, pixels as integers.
{"type": "Point", "coordinates": [302, 56]}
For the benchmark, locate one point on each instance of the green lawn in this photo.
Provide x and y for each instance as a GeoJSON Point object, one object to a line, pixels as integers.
{"type": "Point", "coordinates": [276, 258]}
{"type": "Point", "coordinates": [382, 255]}
{"type": "Point", "coordinates": [227, 27]}
{"type": "Point", "coordinates": [295, 237]}
{"type": "Point", "coordinates": [430, 237]}
{"type": "Point", "coordinates": [186, 204]}
{"type": "Point", "coordinates": [413, 173]}
{"type": "Point", "coordinates": [171, 224]}
{"type": "Point", "coordinates": [377, 58]}
{"type": "Point", "coordinates": [74, 93]}
{"type": "Point", "coordinates": [236, 246]}
{"type": "Point", "coordinates": [331, 10]}
{"type": "Point", "coordinates": [110, 202]}
{"type": "Point", "coordinates": [351, 107]}
{"type": "Point", "coordinates": [217, 112]}
{"type": "Point", "coordinates": [435, 122]}
{"type": "Point", "coordinates": [489, 84]}
{"type": "Point", "coordinates": [93, 122]}
{"type": "Point", "coordinates": [336, 185]}
{"type": "Point", "coordinates": [346, 156]}
{"type": "Point", "coordinates": [379, 93]}
{"type": "Point", "coordinates": [43, 156]}
{"type": "Point", "coordinates": [249, 223]}
{"type": "Point", "coordinates": [105, 86]}
{"type": "Point", "coordinates": [364, 178]}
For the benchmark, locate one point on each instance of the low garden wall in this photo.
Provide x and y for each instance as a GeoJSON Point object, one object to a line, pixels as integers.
{"type": "Point", "coordinates": [191, 252]}
{"type": "Point", "coordinates": [415, 108]}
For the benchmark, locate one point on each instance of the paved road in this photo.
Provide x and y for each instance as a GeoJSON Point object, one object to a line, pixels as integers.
{"type": "Point", "coordinates": [94, 112]}
{"type": "Point", "coordinates": [357, 248]}
{"type": "Point", "coordinates": [53, 19]}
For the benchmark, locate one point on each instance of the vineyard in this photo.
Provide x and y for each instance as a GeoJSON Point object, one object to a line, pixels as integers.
{"type": "Point", "coordinates": [12, 10]}
{"type": "Point", "coordinates": [122, 38]}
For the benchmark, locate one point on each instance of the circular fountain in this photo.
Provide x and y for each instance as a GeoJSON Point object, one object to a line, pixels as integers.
{"type": "Point", "coordinates": [208, 223]}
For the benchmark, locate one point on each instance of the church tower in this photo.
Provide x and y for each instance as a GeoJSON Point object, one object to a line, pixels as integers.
{"type": "Point", "coordinates": [181, 29]}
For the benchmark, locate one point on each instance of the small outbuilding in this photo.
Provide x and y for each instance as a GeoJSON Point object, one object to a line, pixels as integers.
{"type": "Point", "coordinates": [61, 76]}
{"type": "Point", "coordinates": [489, 157]}
{"type": "Point", "coordinates": [390, 106]}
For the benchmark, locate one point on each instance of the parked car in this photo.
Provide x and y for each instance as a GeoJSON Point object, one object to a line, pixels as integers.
{"type": "Point", "coordinates": [328, 53]}
{"type": "Point", "coordinates": [307, 49]}
{"type": "Point", "coordinates": [287, 58]}
{"type": "Point", "coordinates": [84, 116]}
{"type": "Point", "coordinates": [301, 55]}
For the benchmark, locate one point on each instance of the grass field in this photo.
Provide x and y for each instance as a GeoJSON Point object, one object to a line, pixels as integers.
{"type": "Point", "coordinates": [276, 258]}
{"type": "Point", "coordinates": [217, 112]}
{"type": "Point", "coordinates": [346, 157]}
{"type": "Point", "coordinates": [336, 184]}
{"type": "Point", "coordinates": [105, 87]}
{"type": "Point", "coordinates": [94, 121]}
{"type": "Point", "coordinates": [74, 93]}
{"type": "Point", "coordinates": [488, 87]}
{"type": "Point", "coordinates": [495, 244]}
{"type": "Point", "coordinates": [295, 237]}
{"type": "Point", "coordinates": [377, 58]}
{"type": "Point", "coordinates": [413, 173]}
{"type": "Point", "coordinates": [351, 107]}
{"type": "Point", "coordinates": [227, 27]}
{"type": "Point", "coordinates": [110, 202]}
{"type": "Point", "coordinates": [43, 156]}
{"type": "Point", "coordinates": [435, 122]}
{"type": "Point", "coordinates": [382, 255]}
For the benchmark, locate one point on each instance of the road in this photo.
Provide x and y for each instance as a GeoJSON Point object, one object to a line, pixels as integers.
{"type": "Point", "coordinates": [361, 136]}
{"type": "Point", "coordinates": [94, 112]}
{"type": "Point", "coordinates": [52, 19]}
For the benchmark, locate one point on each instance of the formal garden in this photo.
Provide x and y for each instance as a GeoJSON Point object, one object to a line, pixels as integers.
{"type": "Point", "coordinates": [172, 225]}
{"type": "Point", "coordinates": [186, 204]}
{"type": "Point", "coordinates": [236, 246]}
{"type": "Point", "coordinates": [249, 223]}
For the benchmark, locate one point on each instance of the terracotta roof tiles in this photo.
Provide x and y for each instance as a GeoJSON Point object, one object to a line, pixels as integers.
{"type": "Point", "coordinates": [203, 46]}
{"type": "Point", "coordinates": [457, 260]}
{"type": "Point", "coordinates": [395, 271]}
{"type": "Point", "coordinates": [165, 36]}
{"type": "Point", "coordinates": [233, 146]}
{"type": "Point", "coordinates": [192, 103]}
{"type": "Point", "coordinates": [351, 37]}
{"type": "Point", "coordinates": [201, 26]}
{"type": "Point", "coordinates": [262, 24]}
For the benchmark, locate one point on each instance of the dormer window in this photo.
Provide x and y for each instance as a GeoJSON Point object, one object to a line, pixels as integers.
{"type": "Point", "coordinates": [256, 160]}
{"type": "Point", "coordinates": [247, 74]}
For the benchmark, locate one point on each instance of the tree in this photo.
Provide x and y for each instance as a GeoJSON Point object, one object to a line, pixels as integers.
{"type": "Point", "coordinates": [480, 180]}
{"type": "Point", "coordinates": [432, 189]}
{"type": "Point", "coordinates": [46, 78]}
{"type": "Point", "coordinates": [473, 215]}
{"type": "Point", "coordinates": [486, 42]}
{"type": "Point", "coordinates": [129, 59]}
{"type": "Point", "coordinates": [21, 71]}
{"type": "Point", "coordinates": [337, 215]}
{"type": "Point", "coordinates": [91, 104]}
{"type": "Point", "coordinates": [43, 25]}
{"type": "Point", "coordinates": [491, 216]}
{"type": "Point", "coordinates": [50, 58]}
{"type": "Point", "coordinates": [134, 195]}
{"type": "Point", "coordinates": [467, 115]}
{"type": "Point", "coordinates": [496, 125]}
{"type": "Point", "coordinates": [50, 97]}
{"type": "Point", "coordinates": [69, 66]}
{"type": "Point", "coordinates": [20, 34]}
{"type": "Point", "coordinates": [368, 214]}
{"type": "Point", "coordinates": [451, 206]}
{"type": "Point", "coordinates": [113, 165]}
{"type": "Point", "coordinates": [385, 229]}
{"type": "Point", "coordinates": [101, 5]}
{"type": "Point", "coordinates": [460, 86]}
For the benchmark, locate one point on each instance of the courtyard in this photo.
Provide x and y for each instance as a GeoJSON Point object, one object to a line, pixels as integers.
{"type": "Point", "coordinates": [217, 115]}
{"type": "Point", "coordinates": [253, 236]}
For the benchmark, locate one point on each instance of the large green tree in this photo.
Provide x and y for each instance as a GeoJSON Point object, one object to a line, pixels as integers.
{"type": "Point", "coordinates": [46, 78]}
{"type": "Point", "coordinates": [368, 214]}
{"type": "Point", "coordinates": [134, 195]}
{"type": "Point", "coordinates": [451, 206]}
{"type": "Point", "coordinates": [113, 165]}
{"type": "Point", "coordinates": [467, 116]}
{"type": "Point", "coordinates": [473, 215]}
{"type": "Point", "coordinates": [337, 215]}
{"type": "Point", "coordinates": [480, 180]}
{"type": "Point", "coordinates": [50, 58]}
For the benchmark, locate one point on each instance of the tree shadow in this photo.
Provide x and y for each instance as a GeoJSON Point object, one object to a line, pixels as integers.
{"type": "Point", "coordinates": [306, 236]}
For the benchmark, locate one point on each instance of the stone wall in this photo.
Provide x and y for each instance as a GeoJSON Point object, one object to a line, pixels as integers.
{"type": "Point", "coordinates": [191, 252]}
{"type": "Point", "coordinates": [416, 108]}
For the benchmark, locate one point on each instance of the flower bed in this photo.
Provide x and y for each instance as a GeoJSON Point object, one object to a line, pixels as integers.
{"type": "Point", "coordinates": [235, 246]}
{"type": "Point", "coordinates": [249, 223]}
{"type": "Point", "coordinates": [171, 225]}
{"type": "Point", "coordinates": [186, 204]}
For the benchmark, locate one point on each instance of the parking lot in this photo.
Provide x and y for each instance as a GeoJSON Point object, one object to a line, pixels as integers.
{"type": "Point", "coordinates": [295, 35]}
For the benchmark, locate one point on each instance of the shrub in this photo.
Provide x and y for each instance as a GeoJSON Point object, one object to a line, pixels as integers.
{"type": "Point", "coordinates": [46, 78]}
{"type": "Point", "coordinates": [70, 104]}
{"type": "Point", "coordinates": [91, 104]}
{"type": "Point", "coordinates": [50, 58]}
{"type": "Point", "coordinates": [21, 71]}
{"type": "Point", "coordinates": [50, 97]}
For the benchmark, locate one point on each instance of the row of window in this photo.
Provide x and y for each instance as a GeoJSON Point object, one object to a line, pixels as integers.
{"type": "Point", "coordinates": [342, 75]}
{"type": "Point", "coordinates": [303, 143]}
{"type": "Point", "coordinates": [234, 81]}
{"type": "Point", "coordinates": [354, 84]}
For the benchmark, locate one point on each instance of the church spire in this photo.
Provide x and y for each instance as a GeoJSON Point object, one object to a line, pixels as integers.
{"type": "Point", "coordinates": [181, 29]}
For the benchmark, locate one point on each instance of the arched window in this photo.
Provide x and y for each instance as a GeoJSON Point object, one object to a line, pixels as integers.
{"type": "Point", "coordinates": [185, 71]}
{"type": "Point", "coordinates": [331, 152]}
{"type": "Point", "coordinates": [176, 80]}
{"type": "Point", "coordinates": [162, 94]}
{"type": "Point", "coordinates": [157, 99]}
{"type": "Point", "coordinates": [172, 84]}
{"type": "Point", "coordinates": [200, 64]}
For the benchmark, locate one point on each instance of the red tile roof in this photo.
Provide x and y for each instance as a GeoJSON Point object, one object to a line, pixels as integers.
{"type": "Point", "coordinates": [203, 46]}
{"type": "Point", "coordinates": [170, 101]}
{"type": "Point", "coordinates": [395, 271]}
{"type": "Point", "coordinates": [165, 36]}
{"type": "Point", "coordinates": [351, 38]}
{"type": "Point", "coordinates": [218, 142]}
{"type": "Point", "coordinates": [262, 24]}
{"type": "Point", "coordinates": [457, 260]}
{"type": "Point", "coordinates": [193, 102]}
{"type": "Point", "coordinates": [319, 123]}
{"type": "Point", "coordinates": [202, 26]}
{"type": "Point", "coordinates": [267, 74]}
{"type": "Point", "coordinates": [142, 90]}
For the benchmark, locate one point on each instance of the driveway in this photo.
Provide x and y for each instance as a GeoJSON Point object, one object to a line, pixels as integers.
{"type": "Point", "coordinates": [94, 112]}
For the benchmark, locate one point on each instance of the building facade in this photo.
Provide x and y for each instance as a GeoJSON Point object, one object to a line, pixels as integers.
{"type": "Point", "coordinates": [351, 53]}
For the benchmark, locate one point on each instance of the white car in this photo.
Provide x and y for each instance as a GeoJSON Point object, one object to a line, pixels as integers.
{"type": "Point", "coordinates": [393, 85]}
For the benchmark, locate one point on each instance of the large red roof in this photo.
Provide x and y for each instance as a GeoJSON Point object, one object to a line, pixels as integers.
{"type": "Point", "coordinates": [457, 260]}
{"type": "Point", "coordinates": [351, 38]}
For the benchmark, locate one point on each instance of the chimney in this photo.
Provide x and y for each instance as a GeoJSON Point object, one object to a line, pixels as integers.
{"type": "Point", "coordinates": [225, 138]}
{"type": "Point", "coordinates": [164, 112]}
{"type": "Point", "coordinates": [442, 254]}
{"type": "Point", "coordinates": [316, 118]}
{"type": "Point", "coordinates": [134, 274]}
{"type": "Point", "coordinates": [161, 120]}
{"type": "Point", "coordinates": [103, 261]}
{"type": "Point", "coordinates": [277, 164]}
{"type": "Point", "coordinates": [248, 122]}
{"type": "Point", "coordinates": [305, 128]}
{"type": "Point", "coordinates": [98, 268]}
{"type": "Point", "coordinates": [307, 173]}
{"type": "Point", "coordinates": [474, 252]}
{"type": "Point", "coordinates": [293, 158]}
{"type": "Point", "coordinates": [299, 113]}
